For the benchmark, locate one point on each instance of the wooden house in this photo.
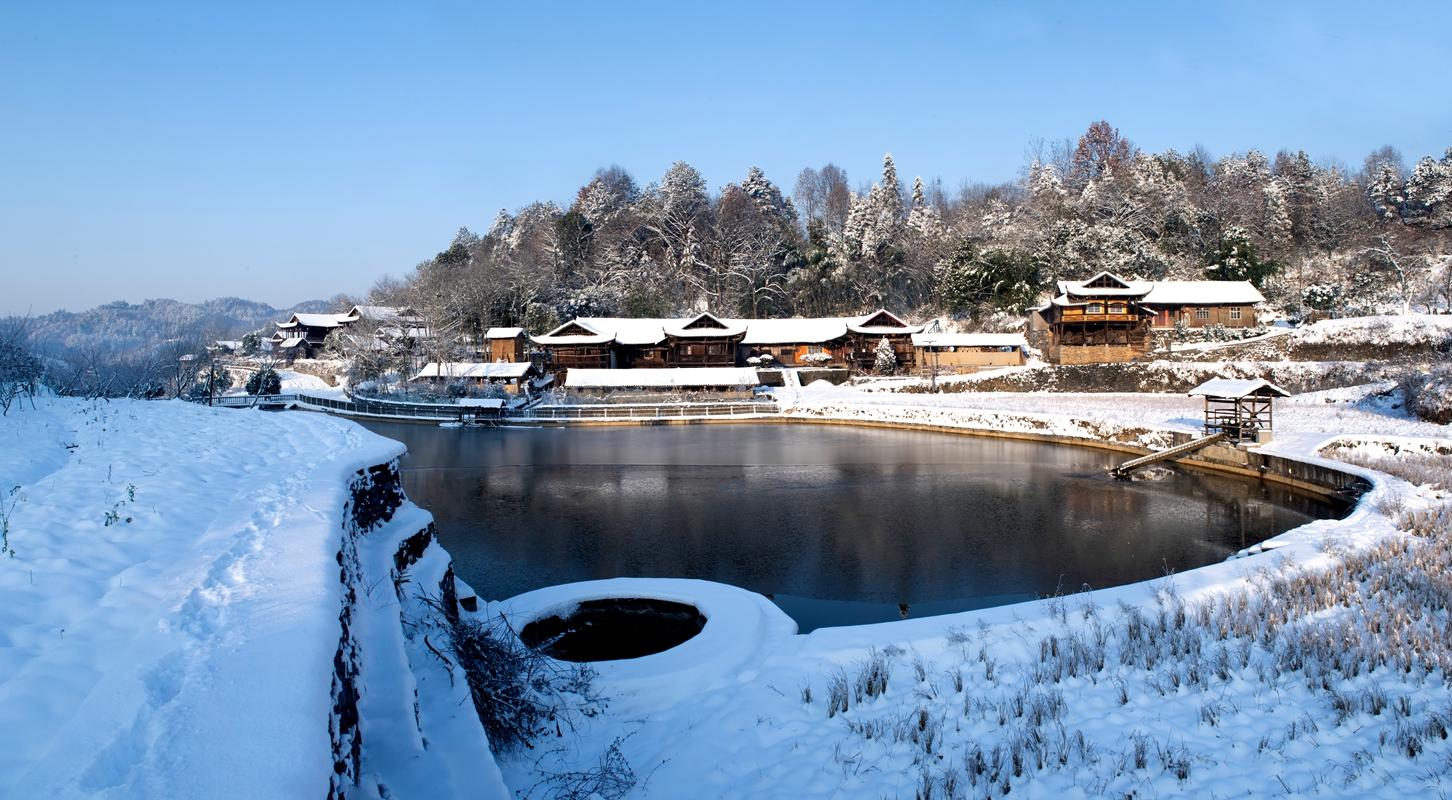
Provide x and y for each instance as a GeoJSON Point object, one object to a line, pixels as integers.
{"type": "Point", "coordinates": [1199, 304]}
{"type": "Point", "coordinates": [703, 341]}
{"type": "Point", "coordinates": [577, 345]}
{"type": "Point", "coordinates": [1108, 318]}
{"type": "Point", "coordinates": [1099, 320]}
{"type": "Point", "coordinates": [507, 345]}
{"type": "Point", "coordinates": [710, 341]}
{"type": "Point", "coordinates": [813, 342]}
{"type": "Point", "coordinates": [302, 335]}
{"type": "Point", "coordinates": [957, 353]}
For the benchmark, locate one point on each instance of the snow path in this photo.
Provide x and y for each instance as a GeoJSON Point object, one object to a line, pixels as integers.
{"type": "Point", "coordinates": [169, 619]}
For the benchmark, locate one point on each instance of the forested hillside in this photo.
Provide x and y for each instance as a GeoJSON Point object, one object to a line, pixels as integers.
{"type": "Point", "coordinates": [122, 327]}
{"type": "Point", "coordinates": [1312, 234]}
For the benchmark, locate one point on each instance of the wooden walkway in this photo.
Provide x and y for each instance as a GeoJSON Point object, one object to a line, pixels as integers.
{"type": "Point", "coordinates": [1127, 467]}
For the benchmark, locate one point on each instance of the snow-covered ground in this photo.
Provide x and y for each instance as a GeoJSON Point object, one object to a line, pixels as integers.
{"type": "Point", "coordinates": [1302, 423]}
{"type": "Point", "coordinates": [169, 614]}
{"type": "Point", "coordinates": [169, 620]}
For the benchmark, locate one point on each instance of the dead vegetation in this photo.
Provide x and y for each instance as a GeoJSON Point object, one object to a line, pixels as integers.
{"type": "Point", "coordinates": [1367, 636]}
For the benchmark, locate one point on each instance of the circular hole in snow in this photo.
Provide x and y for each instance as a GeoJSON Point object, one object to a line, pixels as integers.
{"type": "Point", "coordinates": [612, 629]}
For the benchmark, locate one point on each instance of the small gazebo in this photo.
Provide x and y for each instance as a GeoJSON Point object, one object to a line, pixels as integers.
{"type": "Point", "coordinates": [1238, 408]}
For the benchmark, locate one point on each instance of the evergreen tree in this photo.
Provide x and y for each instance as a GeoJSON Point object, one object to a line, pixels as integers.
{"type": "Point", "coordinates": [1429, 193]}
{"type": "Point", "coordinates": [1237, 260]}
{"type": "Point", "coordinates": [768, 197]}
{"type": "Point", "coordinates": [885, 357]}
{"type": "Point", "coordinates": [265, 381]}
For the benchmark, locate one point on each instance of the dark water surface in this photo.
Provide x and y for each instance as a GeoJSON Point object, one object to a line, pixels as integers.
{"type": "Point", "coordinates": [839, 525]}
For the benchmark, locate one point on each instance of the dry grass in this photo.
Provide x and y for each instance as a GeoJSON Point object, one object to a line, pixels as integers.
{"type": "Point", "coordinates": [1374, 618]}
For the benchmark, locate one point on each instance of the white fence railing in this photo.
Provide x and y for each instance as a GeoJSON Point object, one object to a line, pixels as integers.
{"type": "Point", "coordinates": [450, 412]}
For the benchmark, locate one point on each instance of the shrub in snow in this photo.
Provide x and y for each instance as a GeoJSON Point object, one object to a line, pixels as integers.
{"type": "Point", "coordinates": [517, 691]}
{"type": "Point", "coordinates": [817, 358]}
{"type": "Point", "coordinates": [20, 368]}
{"type": "Point", "coordinates": [264, 381]}
{"type": "Point", "coordinates": [1428, 395]}
{"type": "Point", "coordinates": [886, 360]}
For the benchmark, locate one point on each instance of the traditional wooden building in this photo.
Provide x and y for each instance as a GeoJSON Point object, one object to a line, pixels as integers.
{"type": "Point", "coordinates": [1199, 304]}
{"type": "Point", "coordinates": [1240, 409]}
{"type": "Point", "coordinates": [1196, 304]}
{"type": "Point", "coordinates": [957, 353]}
{"type": "Point", "coordinates": [710, 341]}
{"type": "Point", "coordinates": [1099, 320]}
{"type": "Point", "coordinates": [864, 334]}
{"type": "Point", "coordinates": [703, 341]}
{"type": "Point", "coordinates": [814, 342]}
{"type": "Point", "coordinates": [577, 345]}
{"type": "Point", "coordinates": [507, 345]}
{"type": "Point", "coordinates": [302, 335]}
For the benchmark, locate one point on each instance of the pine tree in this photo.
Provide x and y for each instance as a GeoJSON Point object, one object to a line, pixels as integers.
{"type": "Point", "coordinates": [1429, 193]}
{"type": "Point", "coordinates": [923, 219]}
{"type": "Point", "coordinates": [886, 357]}
{"type": "Point", "coordinates": [768, 197]}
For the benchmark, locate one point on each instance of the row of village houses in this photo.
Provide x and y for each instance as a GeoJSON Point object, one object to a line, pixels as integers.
{"type": "Point", "coordinates": [1103, 319]}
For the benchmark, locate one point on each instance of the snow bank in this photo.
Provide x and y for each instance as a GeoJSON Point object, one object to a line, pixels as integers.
{"type": "Point", "coordinates": [1405, 329]}
{"type": "Point", "coordinates": [170, 618]}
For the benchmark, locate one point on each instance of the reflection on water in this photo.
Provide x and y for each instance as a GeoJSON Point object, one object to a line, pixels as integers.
{"type": "Point", "coordinates": [840, 525]}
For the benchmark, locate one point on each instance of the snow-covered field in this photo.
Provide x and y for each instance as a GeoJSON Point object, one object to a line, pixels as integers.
{"type": "Point", "coordinates": [170, 616]}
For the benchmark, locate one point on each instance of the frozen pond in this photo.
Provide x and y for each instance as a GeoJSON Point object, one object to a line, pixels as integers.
{"type": "Point", "coordinates": [839, 525]}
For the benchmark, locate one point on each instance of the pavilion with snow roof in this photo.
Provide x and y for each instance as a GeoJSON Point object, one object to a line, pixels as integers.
{"type": "Point", "coordinates": [1240, 409]}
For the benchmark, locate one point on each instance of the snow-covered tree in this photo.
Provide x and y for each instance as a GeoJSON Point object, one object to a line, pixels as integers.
{"type": "Point", "coordinates": [768, 198]}
{"type": "Point", "coordinates": [884, 357]}
{"type": "Point", "coordinates": [1429, 193]}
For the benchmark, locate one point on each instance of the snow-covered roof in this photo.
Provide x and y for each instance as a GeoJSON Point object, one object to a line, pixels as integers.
{"type": "Point", "coordinates": [1190, 293]}
{"type": "Point", "coordinates": [316, 321]}
{"type": "Point", "coordinates": [881, 321]}
{"type": "Point", "coordinates": [1228, 387]}
{"type": "Point", "coordinates": [702, 326]}
{"type": "Point", "coordinates": [503, 333]}
{"type": "Point", "coordinates": [1113, 286]}
{"type": "Point", "coordinates": [381, 313]}
{"type": "Point", "coordinates": [631, 331]}
{"type": "Point", "coordinates": [968, 340]}
{"type": "Point", "coordinates": [292, 341]}
{"type": "Point", "coordinates": [460, 369]}
{"type": "Point", "coordinates": [793, 331]}
{"type": "Point", "coordinates": [577, 331]}
{"type": "Point", "coordinates": [680, 378]}
{"type": "Point", "coordinates": [481, 402]}
{"type": "Point", "coordinates": [598, 330]}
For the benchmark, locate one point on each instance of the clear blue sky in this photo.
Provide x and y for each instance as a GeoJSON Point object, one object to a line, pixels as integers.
{"type": "Point", "coordinates": [290, 151]}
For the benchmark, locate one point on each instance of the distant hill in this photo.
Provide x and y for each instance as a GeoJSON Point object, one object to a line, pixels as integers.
{"type": "Point", "coordinates": [122, 326]}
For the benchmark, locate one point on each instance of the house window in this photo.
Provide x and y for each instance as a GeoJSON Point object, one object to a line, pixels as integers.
{"type": "Point", "coordinates": [1202, 313]}
{"type": "Point", "coordinates": [1095, 308]}
{"type": "Point", "coordinates": [813, 349]}
{"type": "Point", "coordinates": [1235, 313]}
{"type": "Point", "coordinates": [1116, 308]}
{"type": "Point", "coordinates": [713, 349]}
